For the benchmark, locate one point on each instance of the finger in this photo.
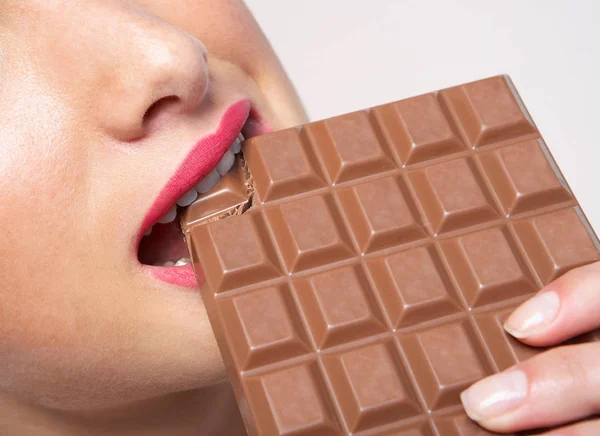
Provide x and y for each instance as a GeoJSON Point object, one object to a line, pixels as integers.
{"type": "Point", "coordinates": [586, 428]}
{"type": "Point", "coordinates": [565, 308]}
{"type": "Point", "coordinates": [555, 387]}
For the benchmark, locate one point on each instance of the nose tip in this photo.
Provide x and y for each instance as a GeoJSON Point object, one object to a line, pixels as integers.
{"type": "Point", "coordinates": [165, 74]}
{"type": "Point", "coordinates": [176, 71]}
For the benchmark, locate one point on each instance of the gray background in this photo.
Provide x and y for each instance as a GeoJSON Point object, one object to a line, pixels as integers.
{"type": "Point", "coordinates": [345, 55]}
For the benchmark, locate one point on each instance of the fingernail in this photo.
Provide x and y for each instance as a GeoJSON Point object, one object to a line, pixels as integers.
{"type": "Point", "coordinates": [533, 314]}
{"type": "Point", "coordinates": [495, 395]}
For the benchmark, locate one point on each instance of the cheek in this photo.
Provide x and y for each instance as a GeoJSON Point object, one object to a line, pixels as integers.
{"type": "Point", "coordinates": [42, 179]}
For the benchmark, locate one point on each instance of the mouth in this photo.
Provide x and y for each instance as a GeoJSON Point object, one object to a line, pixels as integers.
{"type": "Point", "coordinates": [161, 247]}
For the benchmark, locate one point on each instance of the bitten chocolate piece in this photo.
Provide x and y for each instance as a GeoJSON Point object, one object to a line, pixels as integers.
{"type": "Point", "coordinates": [232, 195]}
{"type": "Point", "coordinates": [367, 284]}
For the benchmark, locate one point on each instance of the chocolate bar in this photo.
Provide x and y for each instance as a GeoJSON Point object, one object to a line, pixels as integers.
{"type": "Point", "coordinates": [359, 269]}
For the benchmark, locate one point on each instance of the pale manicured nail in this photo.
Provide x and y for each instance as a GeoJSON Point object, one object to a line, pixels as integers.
{"type": "Point", "coordinates": [494, 396]}
{"type": "Point", "coordinates": [532, 315]}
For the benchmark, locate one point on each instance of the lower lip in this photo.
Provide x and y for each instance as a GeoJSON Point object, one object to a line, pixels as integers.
{"type": "Point", "coordinates": [182, 276]}
{"type": "Point", "coordinates": [186, 276]}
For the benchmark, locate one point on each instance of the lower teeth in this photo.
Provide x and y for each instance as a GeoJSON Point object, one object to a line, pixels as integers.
{"type": "Point", "coordinates": [181, 262]}
{"type": "Point", "coordinates": [201, 188]}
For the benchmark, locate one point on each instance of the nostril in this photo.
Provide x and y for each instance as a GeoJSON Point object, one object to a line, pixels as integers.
{"type": "Point", "coordinates": [159, 108]}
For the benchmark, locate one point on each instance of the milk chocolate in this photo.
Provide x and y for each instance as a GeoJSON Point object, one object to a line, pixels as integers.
{"type": "Point", "coordinates": [232, 195]}
{"type": "Point", "coordinates": [367, 285]}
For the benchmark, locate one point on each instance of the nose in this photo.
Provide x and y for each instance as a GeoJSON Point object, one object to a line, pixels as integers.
{"type": "Point", "coordinates": [157, 72]}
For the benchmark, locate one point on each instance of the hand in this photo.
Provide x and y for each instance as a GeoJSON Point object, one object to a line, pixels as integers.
{"type": "Point", "coordinates": [558, 386]}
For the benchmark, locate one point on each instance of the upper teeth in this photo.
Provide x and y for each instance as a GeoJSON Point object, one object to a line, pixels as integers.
{"type": "Point", "coordinates": [188, 198]}
{"type": "Point", "coordinates": [225, 163]}
{"type": "Point", "coordinates": [236, 147]}
{"type": "Point", "coordinates": [180, 262]}
{"type": "Point", "coordinates": [170, 216]}
{"type": "Point", "coordinates": [206, 184]}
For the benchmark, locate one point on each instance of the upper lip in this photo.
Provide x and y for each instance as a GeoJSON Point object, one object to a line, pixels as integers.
{"type": "Point", "coordinates": [201, 159]}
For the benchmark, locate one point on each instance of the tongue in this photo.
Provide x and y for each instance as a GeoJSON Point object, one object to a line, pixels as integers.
{"type": "Point", "coordinates": [166, 242]}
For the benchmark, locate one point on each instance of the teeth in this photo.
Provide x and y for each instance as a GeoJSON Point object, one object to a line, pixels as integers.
{"type": "Point", "coordinates": [208, 182]}
{"type": "Point", "coordinates": [169, 216]}
{"type": "Point", "coordinates": [226, 163]}
{"type": "Point", "coordinates": [212, 178]}
{"type": "Point", "coordinates": [236, 147]}
{"type": "Point", "coordinates": [188, 198]}
{"type": "Point", "coordinates": [205, 184]}
{"type": "Point", "coordinates": [180, 262]}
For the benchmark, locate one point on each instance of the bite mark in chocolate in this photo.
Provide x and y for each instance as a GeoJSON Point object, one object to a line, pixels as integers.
{"type": "Point", "coordinates": [232, 196]}
{"type": "Point", "coordinates": [358, 280]}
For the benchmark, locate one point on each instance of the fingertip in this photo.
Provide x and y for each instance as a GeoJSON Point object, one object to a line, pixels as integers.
{"type": "Point", "coordinates": [533, 316]}
{"type": "Point", "coordinates": [495, 397]}
{"type": "Point", "coordinates": [514, 333]}
{"type": "Point", "coordinates": [469, 406]}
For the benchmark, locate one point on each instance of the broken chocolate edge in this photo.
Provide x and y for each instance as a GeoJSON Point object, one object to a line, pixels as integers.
{"type": "Point", "coordinates": [238, 209]}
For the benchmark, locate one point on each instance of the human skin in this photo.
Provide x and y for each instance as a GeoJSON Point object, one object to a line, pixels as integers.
{"type": "Point", "coordinates": [559, 386]}
{"type": "Point", "coordinates": [90, 345]}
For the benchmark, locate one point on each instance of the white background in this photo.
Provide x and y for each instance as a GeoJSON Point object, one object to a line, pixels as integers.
{"type": "Point", "coordinates": [345, 55]}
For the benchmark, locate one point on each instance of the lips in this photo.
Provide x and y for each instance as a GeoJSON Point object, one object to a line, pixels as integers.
{"type": "Point", "coordinates": [199, 162]}
{"type": "Point", "coordinates": [205, 156]}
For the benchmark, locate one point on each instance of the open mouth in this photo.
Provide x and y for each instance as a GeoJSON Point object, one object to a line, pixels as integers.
{"type": "Point", "coordinates": [163, 243]}
{"type": "Point", "coordinates": [160, 242]}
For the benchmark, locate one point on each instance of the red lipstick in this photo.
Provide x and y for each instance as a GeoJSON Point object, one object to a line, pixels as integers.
{"type": "Point", "coordinates": [201, 159]}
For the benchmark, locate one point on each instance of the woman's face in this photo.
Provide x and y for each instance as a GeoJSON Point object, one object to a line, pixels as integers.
{"type": "Point", "coordinates": [101, 102]}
